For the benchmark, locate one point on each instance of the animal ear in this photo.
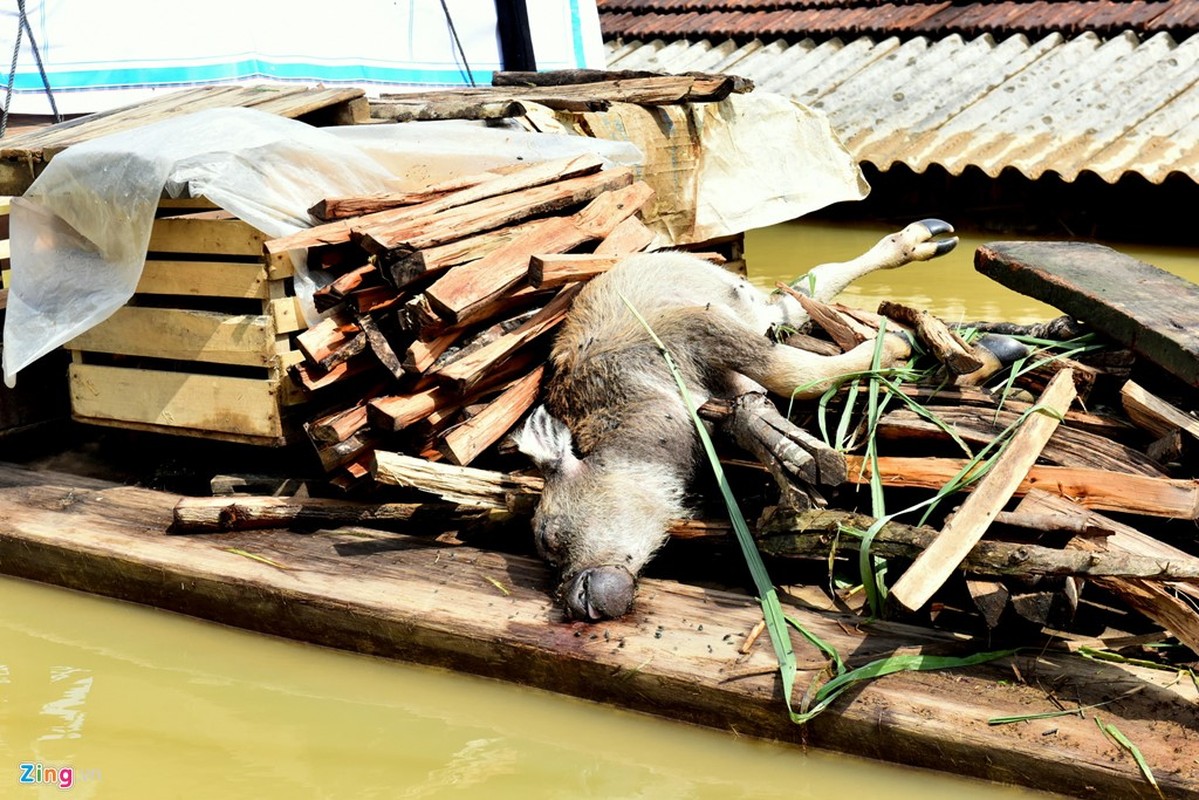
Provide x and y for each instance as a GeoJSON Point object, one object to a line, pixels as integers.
{"type": "Point", "coordinates": [547, 441]}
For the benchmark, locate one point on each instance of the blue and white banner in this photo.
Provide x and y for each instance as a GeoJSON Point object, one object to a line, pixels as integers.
{"type": "Point", "coordinates": [101, 54]}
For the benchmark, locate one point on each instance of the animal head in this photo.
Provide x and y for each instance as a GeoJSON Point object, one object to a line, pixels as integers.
{"type": "Point", "coordinates": [599, 520]}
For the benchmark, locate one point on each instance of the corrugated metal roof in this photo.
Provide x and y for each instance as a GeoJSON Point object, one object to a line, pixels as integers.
{"type": "Point", "coordinates": [1053, 104]}
{"type": "Point", "coordinates": [822, 19]}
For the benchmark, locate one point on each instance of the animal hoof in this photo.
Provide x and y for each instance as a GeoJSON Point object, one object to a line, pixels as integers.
{"type": "Point", "coordinates": [926, 245]}
{"type": "Point", "coordinates": [599, 593]}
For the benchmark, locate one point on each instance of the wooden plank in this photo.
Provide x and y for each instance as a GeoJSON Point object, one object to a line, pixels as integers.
{"type": "Point", "coordinates": [203, 279]}
{"type": "Point", "coordinates": [217, 237]}
{"type": "Point", "coordinates": [465, 442]}
{"type": "Point", "coordinates": [938, 561]}
{"type": "Point", "coordinates": [1151, 311]}
{"type": "Point", "coordinates": [1155, 599]}
{"type": "Point", "coordinates": [176, 400]}
{"type": "Point", "coordinates": [679, 655]}
{"type": "Point", "coordinates": [1091, 488]}
{"type": "Point", "coordinates": [247, 339]}
{"type": "Point", "coordinates": [1153, 413]}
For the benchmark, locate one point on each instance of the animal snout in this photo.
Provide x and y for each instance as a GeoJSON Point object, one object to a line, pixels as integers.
{"type": "Point", "coordinates": [598, 593]}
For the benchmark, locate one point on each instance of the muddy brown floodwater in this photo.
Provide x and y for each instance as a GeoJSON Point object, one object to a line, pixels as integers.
{"type": "Point", "coordinates": [140, 703]}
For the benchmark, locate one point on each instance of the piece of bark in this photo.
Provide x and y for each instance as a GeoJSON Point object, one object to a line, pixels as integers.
{"type": "Point", "coordinates": [1091, 488]}
{"type": "Point", "coordinates": [945, 344]}
{"type": "Point", "coordinates": [1036, 378]}
{"type": "Point", "coordinates": [380, 347]}
{"type": "Point", "coordinates": [208, 514]}
{"type": "Point", "coordinates": [1049, 522]}
{"type": "Point", "coordinates": [529, 182]}
{"type": "Point", "coordinates": [843, 331]}
{"type": "Point", "coordinates": [1154, 414]}
{"type": "Point", "coordinates": [464, 288]}
{"type": "Point", "coordinates": [399, 111]}
{"type": "Point", "coordinates": [467, 371]}
{"type": "Point", "coordinates": [934, 566]}
{"type": "Point", "coordinates": [814, 533]}
{"type": "Point", "coordinates": [1154, 599]}
{"type": "Point", "coordinates": [467, 486]}
{"type": "Point", "coordinates": [1169, 448]}
{"type": "Point", "coordinates": [463, 444]}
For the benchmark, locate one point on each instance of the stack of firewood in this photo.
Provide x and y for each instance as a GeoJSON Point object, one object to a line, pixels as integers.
{"type": "Point", "coordinates": [440, 303]}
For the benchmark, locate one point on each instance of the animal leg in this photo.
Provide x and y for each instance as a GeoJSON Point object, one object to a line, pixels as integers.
{"type": "Point", "coordinates": [916, 242]}
{"type": "Point", "coordinates": [716, 343]}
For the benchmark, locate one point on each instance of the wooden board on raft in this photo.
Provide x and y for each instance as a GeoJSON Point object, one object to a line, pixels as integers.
{"type": "Point", "coordinates": [1153, 312]}
{"type": "Point", "coordinates": [678, 655]}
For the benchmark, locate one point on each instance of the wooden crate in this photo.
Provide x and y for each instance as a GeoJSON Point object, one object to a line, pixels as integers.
{"type": "Point", "coordinates": [204, 346]}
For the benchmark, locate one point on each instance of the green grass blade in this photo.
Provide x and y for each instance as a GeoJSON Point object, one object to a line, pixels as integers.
{"type": "Point", "coordinates": [1117, 736]}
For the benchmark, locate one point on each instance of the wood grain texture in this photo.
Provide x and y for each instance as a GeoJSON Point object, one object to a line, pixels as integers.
{"type": "Point", "coordinates": [677, 655]}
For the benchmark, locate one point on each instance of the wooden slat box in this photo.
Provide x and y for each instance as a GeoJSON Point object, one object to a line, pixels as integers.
{"type": "Point", "coordinates": [203, 348]}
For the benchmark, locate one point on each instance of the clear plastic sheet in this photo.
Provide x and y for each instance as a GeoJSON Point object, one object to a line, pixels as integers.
{"type": "Point", "coordinates": [79, 235]}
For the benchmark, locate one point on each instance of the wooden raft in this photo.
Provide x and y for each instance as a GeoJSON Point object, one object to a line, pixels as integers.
{"type": "Point", "coordinates": [204, 346]}
{"type": "Point", "coordinates": [678, 655]}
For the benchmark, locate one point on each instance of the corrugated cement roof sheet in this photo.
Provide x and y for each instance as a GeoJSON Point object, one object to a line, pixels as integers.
{"type": "Point", "coordinates": [1054, 104]}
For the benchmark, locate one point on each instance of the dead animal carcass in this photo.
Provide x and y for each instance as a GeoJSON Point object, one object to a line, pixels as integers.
{"type": "Point", "coordinates": [605, 510]}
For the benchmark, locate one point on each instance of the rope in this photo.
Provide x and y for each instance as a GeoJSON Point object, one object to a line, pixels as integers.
{"type": "Point", "coordinates": [24, 26]}
{"type": "Point", "coordinates": [470, 76]}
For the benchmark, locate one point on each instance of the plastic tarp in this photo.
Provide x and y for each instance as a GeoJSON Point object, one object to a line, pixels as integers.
{"type": "Point", "coordinates": [79, 234]}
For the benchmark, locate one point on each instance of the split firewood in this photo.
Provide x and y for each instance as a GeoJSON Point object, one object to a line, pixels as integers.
{"type": "Point", "coordinates": [314, 379]}
{"type": "Point", "coordinates": [464, 443]}
{"type": "Point", "coordinates": [331, 341]}
{"type": "Point", "coordinates": [208, 514]}
{"type": "Point", "coordinates": [630, 235]}
{"type": "Point", "coordinates": [393, 413]}
{"type": "Point", "coordinates": [814, 533]}
{"type": "Point", "coordinates": [528, 182]}
{"type": "Point", "coordinates": [336, 291]}
{"type": "Point", "coordinates": [944, 343]}
{"type": "Point", "coordinates": [333, 208]}
{"type": "Point", "coordinates": [1154, 414]}
{"type": "Point", "coordinates": [418, 232]}
{"type": "Point", "coordinates": [403, 266]}
{"type": "Point", "coordinates": [476, 284]}
{"type": "Point", "coordinates": [467, 371]}
{"type": "Point", "coordinates": [380, 346]}
{"type": "Point", "coordinates": [935, 564]}
{"type": "Point", "coordinates": [547, 270]}
{"type": "Point", "coordinates": [1154, 599]}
